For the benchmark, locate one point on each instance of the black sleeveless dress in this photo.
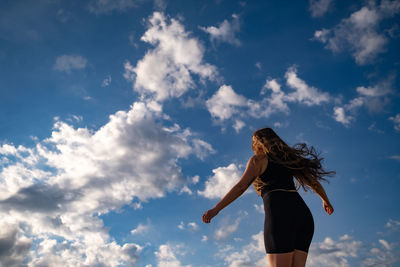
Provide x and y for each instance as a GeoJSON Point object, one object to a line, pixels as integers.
{"type": "Point", "coordinates": [289, 224]}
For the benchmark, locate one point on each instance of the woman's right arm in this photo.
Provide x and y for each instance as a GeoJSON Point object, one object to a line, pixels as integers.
{"type": "Point", "coordinates": [317, 187]}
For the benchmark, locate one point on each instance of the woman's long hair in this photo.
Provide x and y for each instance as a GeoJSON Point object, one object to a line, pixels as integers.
{"type": "Point", "coordinates": [304, 162]}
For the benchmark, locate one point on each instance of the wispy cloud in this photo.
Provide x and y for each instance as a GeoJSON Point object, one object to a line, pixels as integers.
{"type": "Point", "coordinates": [66, 63]}
{"type": "Point", "coordinates": [192, 226]}
{"type": "Point", "coordinates": [375, 98]}
{"type": "Point", "coordinates": [318, 8]}
{"type": "Point", "coordinates": [141, 229]}
{"type": "Point", "coordinates": [226, 229]}
{"type": "Point", "coordinates": [225, 32]}
{"type": "Point", "coordinates": [396, 121]}
{"type": "Point", "coordinates": [106, 7]}
{"type": "Point", "coordinates": [359, 33]}
{"type": "Point", "coordinates": [107, 81]}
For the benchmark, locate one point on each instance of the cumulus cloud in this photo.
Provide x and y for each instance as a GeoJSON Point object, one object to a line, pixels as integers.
{"type": "Point", "coordinates": [13, 247]}
{"type": "Point", "coordinates": [338, 253]}
{"type": "Point", "coordinates": [166, 71]}
{"type": "Point", "coordinates": [73, 176]}
{"type": "Point", "coordinates": [374, 98]}
{"type": "Point", "coordinates": [334, 253]}
{"type": "Point", "coordinates": [252, 254]}
{"type": "Point", "coordinates": [303, 93]}
{"type": "Point", "coordinates": [166, 256]}
{"type": "Point", "coordinates": [359, 33]}
{"type": "Point", "coordinates": [339, 115]}
{"type": "Point", "coordinates": [276, 102]}
{"type": "Point", "coordinates": [225, 32]}
{"type": "Point", "coordinates": [221, 182]}
{"type": "Point", "coordinates": [318, 8]}
{"type": "Point", "coordinates": [66, 63]}
{"type": "Point", "coordinates": [99, 7]}
{"type": "Point", "coordinates": [226, 103]}
{"type": "Point", "coordinates": [381, 257]}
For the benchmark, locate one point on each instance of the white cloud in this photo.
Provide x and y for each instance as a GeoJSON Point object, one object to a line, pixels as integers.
{"type": "Point", "coordinates": [238, 125]}
{"type": "Point", "coordinates": [202, 148]}
{"type": "Point", "coordinates": [385, 244]}
{"type": "Point", "coordinates": [373, 97]}
{"type": "Point", "coordinates": [393, 224]}
{"type": "Point", "coordinates": [396, 122]}
{"type": "Point", "coordinates": [193, 180]}
{"type": "Point", "coordinates": [189, 226]}
{"type": "Point", "coordinates": [279, 124]}
{"type": "Point", "coordinates": [181, 225]}
{"type": "Point", "coordinates": [359, 33]}
{"type": "Point", "coordinates": [107, 81]}
{"type": "Point", "coordinates": [140, 229]}
{"type": "Point", "coordinates": [252, 254]}
{"type": "Point", "coordinates": [90, 173]}
{"type": "Point", "coordinates": [259, 208]}
{"type": "Point", "coordinates": [221, 182]}
{"type": "Point", "coordinates": [14, 247]}
{"type": "Point", "coordinates": [225, 102]}
{"type": "Point", "coordinates": [66, 63]}
{"type": "Point", "coordinates": [304, 93]}
{"type": "Point", "coordinates": [379, 257]}
{"type": "Point", "coordinates": [225, 32]}
{"type": "Point", "coordinates": [166, 256]}
{"type": "Point", "coordinates": [318, 8]}
{"type": "Point", "coordinates": [275, 103]}
{"type": "Point", "coordinates": [107, 6]}
{"type": "Point", "coordinates": [166, 70]}
{"type": "Point", "coordinates": [193, 226]}
{"type": "Point", "coordinates": [226, 229]}
{"type": "Point", "coordinates": [339, 115]}
{"type": "Point", "coordinates": [334, 253]}
{"type": "Point", "coordinates": [322, 35]}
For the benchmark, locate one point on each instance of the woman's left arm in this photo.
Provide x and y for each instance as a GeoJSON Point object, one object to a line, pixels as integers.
{"type": "Point", "coordinates": [250, 173]}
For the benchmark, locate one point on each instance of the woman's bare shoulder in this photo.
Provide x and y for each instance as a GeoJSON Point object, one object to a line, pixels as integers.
{"type": "Point", "coordinates": [260, 162]}
{"type": "Point", "coordinates": [261, 158]}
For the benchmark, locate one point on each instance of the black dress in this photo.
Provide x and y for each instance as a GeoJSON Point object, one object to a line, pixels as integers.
{"type": "Point", "coordinates": [289, 224]}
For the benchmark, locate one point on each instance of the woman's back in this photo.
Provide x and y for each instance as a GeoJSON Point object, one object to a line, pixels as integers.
{"type": "Point", "coordinates": [276, 176]}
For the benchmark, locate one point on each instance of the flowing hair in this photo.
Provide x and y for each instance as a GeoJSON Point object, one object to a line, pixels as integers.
{"type": "Point", "coordinates": [303, 162]}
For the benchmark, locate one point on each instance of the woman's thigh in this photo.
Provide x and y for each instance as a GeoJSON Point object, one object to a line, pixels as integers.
{"type": "Point", "coordinates": [280, 259]}
{"type": "Point", "coordinates": [299, 258]}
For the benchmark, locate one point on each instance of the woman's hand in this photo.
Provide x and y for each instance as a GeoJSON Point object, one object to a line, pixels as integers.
{"type": "Point", "coordinates": [327, 207]}
{"type": "Point", "coordinates": [208, 215]}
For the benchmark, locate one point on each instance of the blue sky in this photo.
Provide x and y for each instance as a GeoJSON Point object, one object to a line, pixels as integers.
{"type": "Point", "coordinates": [123, 121]}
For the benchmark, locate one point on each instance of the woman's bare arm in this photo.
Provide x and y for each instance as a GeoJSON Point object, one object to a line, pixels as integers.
{"type": "Point", "coordinates": [251, 172]}
{"type": "Point", "coordinates": [318, 188]}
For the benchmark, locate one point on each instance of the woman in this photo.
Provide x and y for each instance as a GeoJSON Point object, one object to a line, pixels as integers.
{"type": "Point", "coordinates": [289, 225]}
